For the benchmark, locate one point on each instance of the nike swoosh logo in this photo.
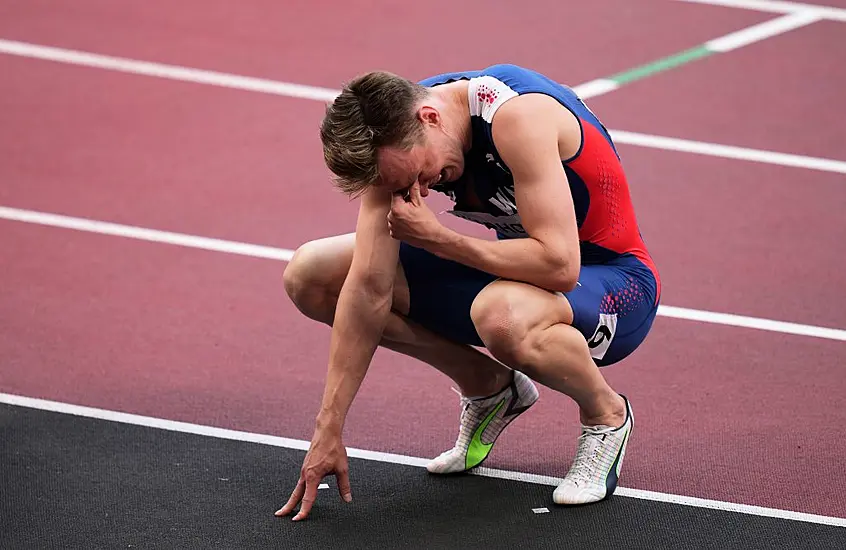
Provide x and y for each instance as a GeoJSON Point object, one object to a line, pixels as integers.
{"type": "Point", "coordinates": [477, 451]}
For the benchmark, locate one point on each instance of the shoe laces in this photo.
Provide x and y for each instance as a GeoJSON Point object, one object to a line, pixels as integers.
{"type": "Point", "coordinates": [465, 402]}
{"type": "Point", "coordinates": [587, 457]}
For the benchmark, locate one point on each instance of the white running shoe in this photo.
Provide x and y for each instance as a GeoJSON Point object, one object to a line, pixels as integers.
{"type": "Point", "coordinates": [482, 420]}
{"type": "Point", "coordinates": [596, 468]}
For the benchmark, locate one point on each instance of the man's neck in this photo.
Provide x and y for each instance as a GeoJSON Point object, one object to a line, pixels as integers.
{"type": "Point", "coordinates": [455, 99]}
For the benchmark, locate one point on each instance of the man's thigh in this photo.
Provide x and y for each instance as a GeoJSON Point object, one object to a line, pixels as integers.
{"type": "Point", "coordinates": [325, 264]}
{"type": "Point", "coordinates": [613, 307]}
{"type": "Point", "coordinates": [441, 293]}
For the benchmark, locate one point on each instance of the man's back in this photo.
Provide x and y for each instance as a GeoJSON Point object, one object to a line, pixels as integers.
{"type": "Point", "coordinates": [605, 215]}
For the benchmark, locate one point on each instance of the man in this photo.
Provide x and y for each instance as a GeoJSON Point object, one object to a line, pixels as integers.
{"type": "Point", "coordinates": [566, 287]}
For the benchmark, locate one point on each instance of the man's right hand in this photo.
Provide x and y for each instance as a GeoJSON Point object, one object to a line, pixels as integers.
{"type": "Point", "coordinates": [325, 456]}
{"type": "Point", "coordinates": [362, 311]}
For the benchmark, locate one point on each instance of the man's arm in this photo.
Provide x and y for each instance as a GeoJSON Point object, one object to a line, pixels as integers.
{"type": "Point", "coordinates": [527, 131]}
{"type": "Point", "coordinates": [360, 317]}
{"type": "Point", "coordinates": [362, 310]}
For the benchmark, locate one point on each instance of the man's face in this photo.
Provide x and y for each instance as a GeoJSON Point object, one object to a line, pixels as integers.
{"type": "Point", "coordinates": [438, 158]}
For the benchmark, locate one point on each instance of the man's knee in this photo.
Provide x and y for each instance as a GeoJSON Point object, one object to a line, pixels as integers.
{"type": "Point", "coordinates": [310, 281]}
{"type": "Point", "coordinates": [503, 322]}
{"type": "Point", "coordinates": [512, 320]}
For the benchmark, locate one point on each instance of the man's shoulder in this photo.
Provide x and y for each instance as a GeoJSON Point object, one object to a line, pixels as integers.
{"type": "Point", "coordinates": [445, 78]}
{"type": "Point", "coordinates": [500, 71]}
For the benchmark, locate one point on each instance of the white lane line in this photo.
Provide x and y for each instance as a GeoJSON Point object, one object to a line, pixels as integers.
{"type": "Point", "coordinates": [257, 251]}
{"type": "Point", "coordinates": [773, 6]}
{"type": "Point", "coordinates": [174, 72]}
{"type": "Point", "coordinates": [762, 31]}
{"type": "Point", "coordinates": [592, 88]}
{"type": "Point", "coordinates": [728, 151]}
{"type": "Point", "coordinates": [301, 445]}
{"type": "Point", "coordinates": [595, 88]}
{"type": "Point", "coordinates": [144, 234]}
{"type": "Point", "coordinates": [751, 322]}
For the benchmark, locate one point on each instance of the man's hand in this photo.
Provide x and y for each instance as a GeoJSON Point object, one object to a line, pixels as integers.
{"type": "Point", "coordinates": [411, 221]}
{"type": "Point", "coordinates": [325, 456]}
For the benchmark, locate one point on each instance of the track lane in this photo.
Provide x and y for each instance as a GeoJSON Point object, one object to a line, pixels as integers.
{"type": "Point", "coordinates": [208, 338]}
{"type": "Point", "coordinates": [781, 94]}
{"type": "Point", "coordinates": [325, 43]}
{"type": "Point", "coordinates": [213, 162]}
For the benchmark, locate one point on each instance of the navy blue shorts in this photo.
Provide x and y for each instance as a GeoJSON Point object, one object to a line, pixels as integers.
{"type": "Point", "coordinates": [613, 304]}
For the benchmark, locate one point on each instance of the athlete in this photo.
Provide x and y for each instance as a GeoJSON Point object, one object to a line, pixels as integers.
{"type": "Point", "coordinates": [564, 286]}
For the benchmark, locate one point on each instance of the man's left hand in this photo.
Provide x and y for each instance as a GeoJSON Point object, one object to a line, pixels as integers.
{"type": "Point", "coordinates": [411, 221]}
{"type": "Point", "coordinates": [326, 455]}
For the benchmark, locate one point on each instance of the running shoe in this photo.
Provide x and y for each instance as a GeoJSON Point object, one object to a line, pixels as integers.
{"type": "Point", "coordinates": [595, 471]}
{"type": "Point", "coordinates": [482, 421]}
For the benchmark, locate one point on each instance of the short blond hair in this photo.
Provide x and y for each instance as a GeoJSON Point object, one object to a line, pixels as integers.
{"type": "Point", "coordinates": [374, 110]}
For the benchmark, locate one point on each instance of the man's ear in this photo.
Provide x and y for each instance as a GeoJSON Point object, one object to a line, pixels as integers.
{"type": "Point", "coordinates": [428, 115]}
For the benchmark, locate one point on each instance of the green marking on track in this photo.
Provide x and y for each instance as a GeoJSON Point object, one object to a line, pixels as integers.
{"type": "Point", "coordinates": [661, 65]}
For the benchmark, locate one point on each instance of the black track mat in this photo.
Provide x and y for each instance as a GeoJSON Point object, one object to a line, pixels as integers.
{"type": "Point", "coordinates": [72, 482]}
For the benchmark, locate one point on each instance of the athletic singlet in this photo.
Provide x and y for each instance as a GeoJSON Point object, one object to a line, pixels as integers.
{"type": "Point", "coordinates": [605, 215]}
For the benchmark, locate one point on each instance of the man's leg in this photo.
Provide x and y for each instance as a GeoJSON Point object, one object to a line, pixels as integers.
{"type": "Point", "coordinates": [532, 330]}
{"type": "Point", "coordinates": [492, 395]}
{"type": "Point", "coordinates": [313, 280]}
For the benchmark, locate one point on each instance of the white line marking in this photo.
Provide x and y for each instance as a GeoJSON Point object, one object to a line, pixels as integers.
{"type": "Point", "coordinates": [728, 151]}
{"type": "Point", "coordinates": [323, 94]}
{"type": "Point", "coordinates": [258, 251]}
{"type": "Point", "coordinates": [144, 234]}
{"type": "Point", "coordinates": [301, 445]}
{"type": "Point", "coordinates": [771, 6]}
{"type": "Point", "coordinates": [323, 486]}
{"type": "Point", "coordinates": [173, 72]}
{"type": "Point", "coordinates": [595, 88]}
{"type": "Point", "coordinates": [762, 31]}
{"type": "Point", "coordinates": [751, 322]}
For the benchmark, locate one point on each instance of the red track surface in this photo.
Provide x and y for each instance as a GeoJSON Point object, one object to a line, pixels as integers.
{"type": "Point", "coordinates": [722, 412]}
{"type": "Point", "coordinates": [780, 105]}
{"type": "Point", "coordinates": [321, 44]}
{"type": "Point", "coordinates": [742, 237]}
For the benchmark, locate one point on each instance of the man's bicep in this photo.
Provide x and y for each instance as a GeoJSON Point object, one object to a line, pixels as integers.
{"type": "Point", "coordinates": [547, 213]}
{"type": "Point", "coordinates": [376, 253]}
{"type": "Point", "coordinates": [527, 140]}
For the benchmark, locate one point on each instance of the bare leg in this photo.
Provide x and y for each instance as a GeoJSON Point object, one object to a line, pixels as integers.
{"type": "Point", "coordinates": [530, 330]}
{"type": "Point", "coordinates": [313, 280]}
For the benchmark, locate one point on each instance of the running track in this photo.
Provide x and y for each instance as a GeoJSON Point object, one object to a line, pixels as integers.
{"type": "Point", "coordinates": [724, 413]}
